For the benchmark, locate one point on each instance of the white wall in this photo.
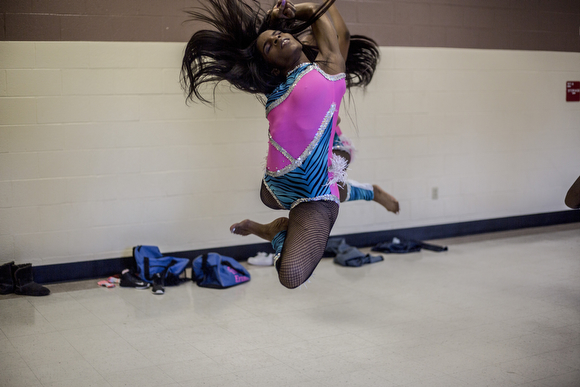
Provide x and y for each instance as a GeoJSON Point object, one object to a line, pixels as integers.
{"type": "Point", "coordinates": [98, 151]}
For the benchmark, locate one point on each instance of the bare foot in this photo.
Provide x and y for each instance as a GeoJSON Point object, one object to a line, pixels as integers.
{"type": "Point", "coordinates": [385, 200]}
{"type": "Point", "coordinates": [265, 231]}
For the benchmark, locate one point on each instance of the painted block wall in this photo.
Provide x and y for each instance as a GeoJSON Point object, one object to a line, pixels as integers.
{"type": "Point", "coordinates": [99, 152]}
{"type": "Point", "coordinates": [492, 24]}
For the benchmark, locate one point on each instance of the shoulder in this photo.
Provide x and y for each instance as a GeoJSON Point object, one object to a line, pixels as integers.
{"type": "Point", "coordinates": [283, 90]}
{"type": "Point", "coordinates": [332, 76]}
{"type": "Point", "coordinates": [332, 64]}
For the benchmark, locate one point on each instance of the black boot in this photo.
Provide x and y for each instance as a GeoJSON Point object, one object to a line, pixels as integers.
{"type": "Point", "coordinates": [24, 283]}
{"type": "Point", "coordinates": [6, 279]}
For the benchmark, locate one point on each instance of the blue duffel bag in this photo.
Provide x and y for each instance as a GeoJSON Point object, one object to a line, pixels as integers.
{"type": "Point", "coordinates": [150, 261]}
{"type": "Point", "coordinates": [216, 271]}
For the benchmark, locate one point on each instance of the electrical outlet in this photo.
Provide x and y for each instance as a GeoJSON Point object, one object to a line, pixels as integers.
{"type": "Point", "coordinates": [435, 193]}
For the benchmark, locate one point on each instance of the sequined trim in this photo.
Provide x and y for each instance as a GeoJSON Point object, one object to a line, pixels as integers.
{"type": "Point", "coordinates": [313, 66]}
{"type": "Point", "coordinates": [280, 149]}
{"type": "Point", "coordinates": [336, 77]}
{"type": "Point", "coordinates": [273, 194]}
{"type": "Point", "coordinates": [328, 198]}
{"type": "Point", "coordinates": [283, 97]}
{"type": "Point", "coordinates": [298, 67]}
{"type": "Point", "coordinates": [298, 162]}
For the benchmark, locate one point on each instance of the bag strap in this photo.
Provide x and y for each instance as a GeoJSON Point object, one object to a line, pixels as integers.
{"type": "Point", "coordinates": [146, 268]}
{"type": "Point", "coordinates": [146, 265]}
{"type": "Point", "coordinates": [204, 265]}
{"type": "Point", "coordinates": [172, 263]}
{"type": "Point", "coordinates": [135, 248]}
{"type": "Point", "coordinates": [204, 270]}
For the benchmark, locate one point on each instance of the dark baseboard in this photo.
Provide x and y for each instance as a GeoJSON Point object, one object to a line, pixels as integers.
{"type": "Point", "coordinates": [452, 230]}
{"type": "Point", "coordinates": [103, 268]}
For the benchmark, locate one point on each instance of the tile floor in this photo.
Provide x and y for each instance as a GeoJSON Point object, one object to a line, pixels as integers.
{"type": "Point", "coordinates": [498, 310]}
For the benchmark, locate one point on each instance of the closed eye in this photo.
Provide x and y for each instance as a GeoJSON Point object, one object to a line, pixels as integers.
{"type": "Point", "coordinates": [268, 46]}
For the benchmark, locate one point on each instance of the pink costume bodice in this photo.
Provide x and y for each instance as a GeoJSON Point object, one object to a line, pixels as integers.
{"type": "Point", "coordinates": [299, 115]}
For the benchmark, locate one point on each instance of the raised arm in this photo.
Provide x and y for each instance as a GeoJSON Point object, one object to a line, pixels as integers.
{"type": "Point", "coordinates": [330, 58]}
{"type": "Point", "coordinates": [342, 32]}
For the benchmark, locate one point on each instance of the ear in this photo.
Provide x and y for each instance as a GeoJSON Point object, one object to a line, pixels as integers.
{"type": "Point", "coordinates": [276, 72]}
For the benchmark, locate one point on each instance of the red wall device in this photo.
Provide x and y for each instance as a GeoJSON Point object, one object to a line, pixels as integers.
{"type": "Point", "coordinates": [572, 91]}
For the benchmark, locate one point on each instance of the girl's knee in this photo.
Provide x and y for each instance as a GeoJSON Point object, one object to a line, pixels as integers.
{"type": "Point", "coordinates": [292, 281]}
{"type": "Point", "coordinates": [290, 285]}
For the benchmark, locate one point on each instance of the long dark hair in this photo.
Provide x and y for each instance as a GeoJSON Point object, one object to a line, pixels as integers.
{"type": "Point", "coordinates": [361, 61]}
{"type": "Point", "coordinates": [228, 52]}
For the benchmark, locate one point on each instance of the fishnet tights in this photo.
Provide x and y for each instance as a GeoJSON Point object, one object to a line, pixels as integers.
{"type": "Point", "coordinates": [268, 199]}
{"type": "Point", "coordinates": [309, 226]}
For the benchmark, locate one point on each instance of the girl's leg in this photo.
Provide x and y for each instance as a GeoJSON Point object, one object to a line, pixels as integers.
{"type": "Point", "coordinates": [309, 226]}
{"type": "Point", "coordinates": [385, 199]}
{"type": "Point", "coordinates": [352, 191]}
{"type": "Point", "coordinates": [268, 199]}
{"type": "Point", "coordinates": [265, 231]}
{"type": "Point", "coordinates": [357, 191]}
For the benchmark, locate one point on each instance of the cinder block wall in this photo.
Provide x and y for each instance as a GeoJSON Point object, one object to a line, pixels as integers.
{"type": "Point", "coordinates": [98, 151]}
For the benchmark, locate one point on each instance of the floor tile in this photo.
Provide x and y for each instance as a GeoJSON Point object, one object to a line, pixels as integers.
{"type": "Point", "coordinates": [149, 376]}
{"type": "Point", "coordinates": [499, 309]}
{"type": "Point", "coordinates": [535, 368]}
{"type": "Point", "coordinates": [489, 376]}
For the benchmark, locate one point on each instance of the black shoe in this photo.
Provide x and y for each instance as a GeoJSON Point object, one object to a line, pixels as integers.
{"type": "Point", "coordinates": [128, 280]}
{"type": "Point", "coordinates": [24, 282]}
{"type": "Point", "coordinates": [6, 278]}
{"type": "Point", "coordinates": [158, 284]}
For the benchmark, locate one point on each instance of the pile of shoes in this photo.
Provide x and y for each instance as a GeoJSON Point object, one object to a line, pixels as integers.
{"type": "Point", "coordinates": [18, 279]}
{"type": "Point", "coordinates": [130, 280]}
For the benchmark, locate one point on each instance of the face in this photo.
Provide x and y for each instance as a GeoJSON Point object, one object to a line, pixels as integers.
{"type": "Point", "coordinates": [279, 49]}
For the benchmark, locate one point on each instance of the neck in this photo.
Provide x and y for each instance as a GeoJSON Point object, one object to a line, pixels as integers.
{"type": "Point", "coordinates": [303, 59]}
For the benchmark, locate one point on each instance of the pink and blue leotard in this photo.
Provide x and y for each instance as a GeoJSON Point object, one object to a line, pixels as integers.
{"type": "Point", "coordinates": [302, 113]}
